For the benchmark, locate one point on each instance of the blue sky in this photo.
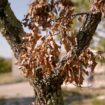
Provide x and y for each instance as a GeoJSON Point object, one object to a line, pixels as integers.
{"type": "Point", "coordinates": [20, 9]}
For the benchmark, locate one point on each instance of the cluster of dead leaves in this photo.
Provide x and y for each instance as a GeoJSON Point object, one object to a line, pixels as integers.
{"type": "Point", "coordinates": [42, 16]}
{"type": "Point", "coordinates": [77, 67]}
{"type": "Point", "coordinates": [32, 56]}
{"type": "Point", "coordinates": [98, 5]}
{"type": "Point", "coordinates": [45, 16]}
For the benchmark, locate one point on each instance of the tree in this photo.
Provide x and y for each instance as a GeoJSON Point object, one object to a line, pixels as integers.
{"type": "Point", "coordinates": [5, 65]}
{"type": "Point", "coordinates": [41, 63]}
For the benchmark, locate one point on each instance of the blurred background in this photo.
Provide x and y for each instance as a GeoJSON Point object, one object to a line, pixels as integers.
{"type": "Point", "coordinates": [15, 90]}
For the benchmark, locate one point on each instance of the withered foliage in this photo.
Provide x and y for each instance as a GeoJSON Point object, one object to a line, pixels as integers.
{"type": "Point", "coordinates": [98, 5]}
{"type": "Point", "coordinates": [48, 19]}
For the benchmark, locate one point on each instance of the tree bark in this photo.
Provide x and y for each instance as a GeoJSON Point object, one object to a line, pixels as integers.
{"type": "Point", "coordinates": [47, 96]}
{"type": "Point", "coordinates": [54, 97]}
{"type": "Point", "coordinates": [47, 90]}
{"type": "Point", "coordinates": [10, 27]}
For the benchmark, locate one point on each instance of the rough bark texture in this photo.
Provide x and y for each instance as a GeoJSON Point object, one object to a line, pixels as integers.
{"type": "Point", "coordinates": [87, 30]}
{"type": "Point", "coordinates": [45, 91]}
{"type": "Point", "coordinates": [47, 94]}
{"type": "Point", "coordinates": [10, 27]}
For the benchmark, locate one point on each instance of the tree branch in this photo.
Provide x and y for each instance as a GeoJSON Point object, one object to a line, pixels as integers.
{"type": "Point", "coordinates": [10, 27]}
{"type": "Point", "coordinates": [84, 36]}
{"type": "Point", "coordinates": [73, 15]}
{"type": "Point", "coordinates": [86, 32]}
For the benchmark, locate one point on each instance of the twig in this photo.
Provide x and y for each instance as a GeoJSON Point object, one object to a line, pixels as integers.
{"type": "Point", "coordinates": [73, 15]}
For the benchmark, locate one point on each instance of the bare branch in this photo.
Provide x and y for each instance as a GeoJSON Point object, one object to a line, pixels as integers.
{"type": "Point", "coordinates": [87, 30]}
{"type": "Point", "coordinates": [73, 15]}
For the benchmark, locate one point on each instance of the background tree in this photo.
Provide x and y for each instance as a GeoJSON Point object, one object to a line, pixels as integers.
{"type": "Point", "coordinates": [38, 53]}
{"type": "Point", "coordinates": [5, 65]}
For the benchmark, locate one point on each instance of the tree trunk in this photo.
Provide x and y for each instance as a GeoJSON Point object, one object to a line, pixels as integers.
{"type": "Point", "coordinates": [47, 94]}
{"type": "Point", "coordinates": [51, 98]}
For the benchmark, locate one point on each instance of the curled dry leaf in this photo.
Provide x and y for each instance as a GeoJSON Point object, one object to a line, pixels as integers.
{"type": "Point", "coordinates": [98, 5]}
